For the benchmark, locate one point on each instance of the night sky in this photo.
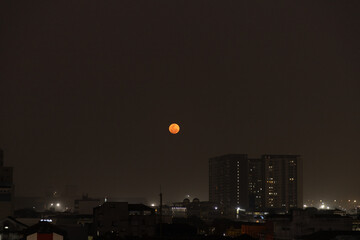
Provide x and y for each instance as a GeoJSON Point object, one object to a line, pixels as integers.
{"type": "Point", "coordinates": [89, 88]}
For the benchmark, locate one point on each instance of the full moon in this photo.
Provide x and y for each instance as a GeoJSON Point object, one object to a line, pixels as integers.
{"type": "Point", "coordinates": [174, 128]}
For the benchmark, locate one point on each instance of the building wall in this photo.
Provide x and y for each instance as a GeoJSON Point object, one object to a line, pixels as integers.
{"type": "Point", "coordinates": [299, 182]}
{"type": "Point", "coordinates": [32, 237]}
{"type": "Point", "coordinates": [253, 231]}
{"type": "Point", "coordinates": [112, 216]}
{"type": "Point", "coordinates": [306, 222]}
{"type": "Point", "coordinates": [6, 176]}
{"type": "Point", "coordinates": [57, 237]}
{"type": "Point", "coordinates": [205, 210]}
{"type": "Point", "coordinates": [119, 218]}
{"type": "Point", "coordinates": [44, 236]}
{"type": "Point", "coordinates": [6, 190]}
{"type": "Point", "coordinates": [86, 206]}
{"type": "Point", "coordinates": [11, 236]}
{"type": "Point", "coordinates": [6, 209]}
{"type": "Point", "coordinates": [142, 225]}
{"type": "Point", "coordinates": [1, 157]}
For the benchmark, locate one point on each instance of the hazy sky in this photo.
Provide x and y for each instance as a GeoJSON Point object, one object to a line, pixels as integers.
{"type": "Point", "coordinates": [89, 88]}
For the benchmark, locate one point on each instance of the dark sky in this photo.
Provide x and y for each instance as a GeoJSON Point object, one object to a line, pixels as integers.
{"type": "Point", "coordinates": [89, 88]}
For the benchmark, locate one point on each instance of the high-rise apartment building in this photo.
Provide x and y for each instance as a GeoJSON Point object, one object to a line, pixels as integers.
{"type": "Point", "coordinates": [256, 184]}
{"type": "Point", "coordinates": [283, 181]}
{"type": "Point", "coordinates": [6, 189]}
{"type": "Point", "coordinates": [228, 180]}
{"type": "Point", "coordinates": [272, 182]}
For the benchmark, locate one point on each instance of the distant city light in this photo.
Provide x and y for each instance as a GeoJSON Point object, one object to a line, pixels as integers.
{"type": "Point", "coordinates": [45, 220]}
{"type": "Point", "coordinates": [51, 204]}
{"type": "Point", "coordinates": [305, 205]}
{"type": "Point", "coordinates": [216, 208]}
{"type": "Point", "coordinates": [6, 227]}
{"type": "Point", "coordinates": [153, 204]}
{"type": "Point", "coordinates": [238, 209]}
{"type": "Point", "coordinates": [58, 204]}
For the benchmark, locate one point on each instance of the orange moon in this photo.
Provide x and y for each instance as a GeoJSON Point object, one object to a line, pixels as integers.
{"type": "Point", "coordinates": [174, 128]}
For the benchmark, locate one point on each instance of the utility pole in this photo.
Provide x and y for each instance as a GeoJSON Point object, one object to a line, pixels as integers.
{"type": "Point", "coordinates": [160, 222]}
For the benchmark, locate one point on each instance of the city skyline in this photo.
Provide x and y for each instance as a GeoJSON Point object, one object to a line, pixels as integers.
{"type": "Point", "coordinates": [88, 91]}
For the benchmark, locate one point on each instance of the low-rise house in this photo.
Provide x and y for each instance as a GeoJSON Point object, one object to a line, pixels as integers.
{"type": "Point", "coordinates": [45, 230]}
{"type": "Point", "coordinates": [124, 220]}
{"type": "Point", "coordinates": [301, 222]}
{"type": "Point", "coordinates": [11, 229]}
